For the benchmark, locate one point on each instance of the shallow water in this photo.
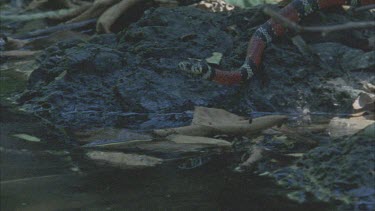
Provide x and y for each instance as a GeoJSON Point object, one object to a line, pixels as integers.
{"type": "Point", "coordinates": [36, 176]}
{"type": "Point", "coordinates": [209, 188]}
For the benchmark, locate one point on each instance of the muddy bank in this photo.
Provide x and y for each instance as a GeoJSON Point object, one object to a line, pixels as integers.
{"type": "Point", "coordinates": [131, 80]}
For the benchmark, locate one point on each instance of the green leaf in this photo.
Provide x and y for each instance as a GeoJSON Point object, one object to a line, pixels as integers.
{"type": "Point", "coordinates": [215, 58]}
{"type": "Point", "coordinates": [26, 137]}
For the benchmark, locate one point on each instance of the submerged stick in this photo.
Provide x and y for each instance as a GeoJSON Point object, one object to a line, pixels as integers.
{"type": "Point", "coordinates": [57, 14]}
{"type": "Point", "coordinates": [18, 54]}
{"type": "Point", "coordinates": [95, 10]}
{"type": "Point", "coordinates": [363, 8]}
{"type": "Point", "coordinates": [50, 30]}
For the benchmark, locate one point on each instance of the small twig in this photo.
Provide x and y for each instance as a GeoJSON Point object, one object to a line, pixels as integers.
{"type": "Point", "coordinates": [322, 29]}
{"type": "Point", "coordinates": [366, 7]}
{"type": "Point", "coordinates": [340, 27]}
{"type": "Point", "coordinates": [289, 24]}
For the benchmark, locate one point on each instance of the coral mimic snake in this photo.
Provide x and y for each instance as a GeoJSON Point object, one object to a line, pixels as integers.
{"type": "Point", "coordinates": [267, 32]}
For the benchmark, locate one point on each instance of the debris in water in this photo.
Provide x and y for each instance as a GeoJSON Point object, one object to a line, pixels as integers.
{"type": "Point", "coordinates": [213, 121]}
{"type": "Point", "coordinates": [27, 137]}
{"type": "Point", "coordinates": [123, 160]}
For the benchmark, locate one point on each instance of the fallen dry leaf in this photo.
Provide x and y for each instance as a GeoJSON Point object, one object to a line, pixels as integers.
{"type": "Point", "coordinates": [212, 121]}
{"type": "Point", "coordinates": [339, 127]}
{"type": "Point", "coordinates": [27, 137]}
{"type": "Point", "coordinates": [365, 101]}
{"type": "Point", "coordinates": [182, 139]}
{"type": "Point", "coordinates": [123, 160]}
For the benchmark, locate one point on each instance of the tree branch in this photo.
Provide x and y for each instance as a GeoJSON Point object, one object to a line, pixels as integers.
{"type": "Point", "coordinates": [323, 29]}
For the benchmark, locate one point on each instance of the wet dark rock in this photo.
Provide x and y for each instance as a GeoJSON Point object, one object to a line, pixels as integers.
{"type": "Point", "coordinates": [342, 170]}
{"type": "Point", "coordinates": [132, 80]}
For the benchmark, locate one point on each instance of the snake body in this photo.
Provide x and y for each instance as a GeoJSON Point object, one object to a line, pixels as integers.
{"type": "Point", "coordinates": [264, 35]}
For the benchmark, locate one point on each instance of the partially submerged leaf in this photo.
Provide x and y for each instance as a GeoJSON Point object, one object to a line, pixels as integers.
{"type": "Point", "coordinates": [212, 121]}
{"type": "Point", "coordinates": [182, 139]}
{"type": "Point", "coordinates": [109, 134]}
{"type": "Point", "coordinates": [255, 155]}
{"type": "Point", "coordinates": [369, 87]}
{"type": "Point", "coordinates": [339, 127]}
{"type": "Point", "coordinates": [365, 101]}
{"type": "Point", "coordinates": [123, 160]}
{"type": "Point", "coordinates": [27, 137]}
{"type": "Point", "coordinates": [215, 58]}
{"type": "Point", "coordinates": [296, 155]}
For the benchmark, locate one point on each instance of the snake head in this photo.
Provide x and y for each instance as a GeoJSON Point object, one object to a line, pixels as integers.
{"type": "Point", "coordinates": [197, 68]}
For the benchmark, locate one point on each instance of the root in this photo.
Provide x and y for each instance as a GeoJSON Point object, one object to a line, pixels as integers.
{"type": "Point", "coordinates": [108, 18]}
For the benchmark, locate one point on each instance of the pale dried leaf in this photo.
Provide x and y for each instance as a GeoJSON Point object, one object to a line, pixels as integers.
{"type": "Point", "coordinates": [368, 87]}
{"type": "Point", "coordinates": [122, 160]}
{"type": "Point", "coordinates": [365, 101]}
{"type": "Point", "coordinates": [27, 137]}
{"type": "Point", "coordinates": [339, 127]}
{"type": "Point", "coordinates": [212, 121]}
{"type": "Point", "coordinates": [296, 155]}
{"type": "Point", "coordinates": [182, 139]}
